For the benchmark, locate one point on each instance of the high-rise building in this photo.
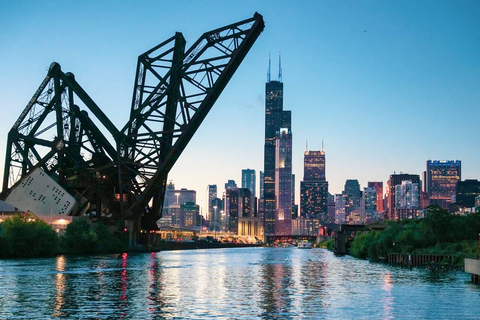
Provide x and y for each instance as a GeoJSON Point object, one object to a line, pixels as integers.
{"type": "Point", "coordinates": [314, 166]}
{"type": "Point", "coordinates": [218, 217]}
{"type": "Point", "coordinates": [170, 186]}
{"type": "Point", "coordinates": [248, 180]}
{"type": "Point", "coordinates": [353, 198]}
{"type": "Point", "coordinates": [231, 209]}
{"type": "Point", "coordinates": [314, 199]}
{"type": "Point", "coordinates": [189, 215]}
{"type": "Point", "coordinates": [314, 187]}
{"type": "Point", "coordinates": [262, 180]}
{"type": "Point", "coordinates": [331, 208]}
{"type": "Point", "coordinates": [370, 199]}
{"type": "Point", "coordinates": [230, 185]}
{"type": "Point", "coordinates": [293, 194]}
{"type": "Point", "coordinates": [212, 194]}
{"type": "Point", "coordinates": [182, 196]}
{"type": "Point", "coordinates": [442, 178]}
{"type": "Point", "coordinates": [467, 191]}
{"type": "Point", "coordinates": [378, 185]}
{"type": "Point", "coordinates": [340, 202]}
{"type": "Point", "coordinates": [283, 182]}
{"type": "Point", "coordinates": [407, 200]}
{"type": "Point", "coordinates": [275, 118]}
{"type": "Point", "coordinates": [395, 180]}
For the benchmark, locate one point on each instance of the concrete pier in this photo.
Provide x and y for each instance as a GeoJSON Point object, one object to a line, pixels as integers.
{"type": "Point", "coordinates": [472, 266]}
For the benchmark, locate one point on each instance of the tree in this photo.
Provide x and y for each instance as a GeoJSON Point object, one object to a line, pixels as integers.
{"type": "Point", "coordinates": [26, 237]}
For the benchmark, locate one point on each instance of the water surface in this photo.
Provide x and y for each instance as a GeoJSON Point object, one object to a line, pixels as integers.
{"type": "Point", "coordinates": [237, 283]}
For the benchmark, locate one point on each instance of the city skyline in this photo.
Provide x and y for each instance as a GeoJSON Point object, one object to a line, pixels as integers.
{"type": "Point", "coordinates": [379, 69]}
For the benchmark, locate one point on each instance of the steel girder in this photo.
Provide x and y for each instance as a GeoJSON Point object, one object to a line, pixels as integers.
{"type": "Point", "coordinates": [174, 90]}
{"type": "Point", "coordinates": [54, 134]}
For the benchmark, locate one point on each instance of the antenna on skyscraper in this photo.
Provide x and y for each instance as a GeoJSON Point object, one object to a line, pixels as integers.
{"type": "Point", "coordinates": [279, 66]}
{"type": "Point", "coordinates": [269, 67]}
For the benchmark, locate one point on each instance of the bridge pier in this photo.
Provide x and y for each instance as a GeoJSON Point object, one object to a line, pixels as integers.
{"type": "Point", "coordinates": [133, 227]}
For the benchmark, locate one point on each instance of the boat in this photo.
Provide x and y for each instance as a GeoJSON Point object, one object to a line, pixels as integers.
{"type": "Point", "coordinates": [304, 245]}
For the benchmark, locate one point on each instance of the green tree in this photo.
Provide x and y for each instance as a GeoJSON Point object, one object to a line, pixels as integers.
{"type": "Point", "coordinates": [80, 237]}
{"type": "Point", "coordinates": [439, 221]}
{"type": "Point", "coordinates": [25, 237]}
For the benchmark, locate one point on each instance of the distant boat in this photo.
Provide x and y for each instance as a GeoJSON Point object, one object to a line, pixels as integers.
{"type": "Point", "coordinates": [304, 245]}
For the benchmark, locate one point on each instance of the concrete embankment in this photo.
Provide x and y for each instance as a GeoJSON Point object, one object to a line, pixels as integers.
{"type": "Point", "coordinates": [472, 266]}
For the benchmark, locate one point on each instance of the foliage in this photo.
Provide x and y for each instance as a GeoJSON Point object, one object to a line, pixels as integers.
{"type": "Point", "coordinates": [327, 244]}
{"type": "Point", "coordinates": [81, 238]}
{"type": "Point", "coordinates": [21, 237]}
{"type": "Point", "coordinates": [438, 233]}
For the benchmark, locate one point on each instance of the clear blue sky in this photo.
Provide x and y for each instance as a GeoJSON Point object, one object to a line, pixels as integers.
{"type": "Point", "coordinates": [387, 84]}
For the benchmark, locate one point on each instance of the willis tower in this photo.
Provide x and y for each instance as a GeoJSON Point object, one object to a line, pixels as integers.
{"type": "Point", "coordinates": [275, 119]}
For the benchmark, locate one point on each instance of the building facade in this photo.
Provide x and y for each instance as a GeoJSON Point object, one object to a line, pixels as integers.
{"type": "Point", "coordinates": [248, 180]}
{"type": "Point", "coordinates": [407, 200]}
{"type": "Point", "coordinates": [442, 178]}
{"type": "Point", "coordinates": [395, 180]}
{"type": "Point", "coordinates": [283, 182]}
{"type": "Point", "coordinates": [275, 118]}
{"type": "Point", "coordinates": [378, 185]}
{"type": "Point", "coordinates": [212, 194]}
{"type": "Point", "coordinates": [314, 187]}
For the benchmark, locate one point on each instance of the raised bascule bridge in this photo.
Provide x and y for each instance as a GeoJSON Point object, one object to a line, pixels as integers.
{"type": "Point", "coordinates": [92, 168]}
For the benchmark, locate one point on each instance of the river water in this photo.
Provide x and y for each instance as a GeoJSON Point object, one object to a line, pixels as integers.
{"type": "Point", "coordinates": [239, 283]}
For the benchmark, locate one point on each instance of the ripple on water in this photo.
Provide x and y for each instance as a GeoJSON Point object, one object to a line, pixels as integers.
{"type": "Point", "coordinates": [244, 283]}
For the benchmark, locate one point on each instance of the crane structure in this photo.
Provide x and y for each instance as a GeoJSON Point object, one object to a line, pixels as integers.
{"type": "Point", "coordinates": [122, 173]}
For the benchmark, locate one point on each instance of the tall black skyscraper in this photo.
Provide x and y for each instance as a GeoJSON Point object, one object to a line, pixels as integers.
{"type": "Point", "coordinates": [275, 118]}
{"type": "Point", "coordinates": [314, 187]}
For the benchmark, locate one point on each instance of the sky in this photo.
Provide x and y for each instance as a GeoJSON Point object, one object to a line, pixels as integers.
{"type": "Point", "coordinates": [387, 85]}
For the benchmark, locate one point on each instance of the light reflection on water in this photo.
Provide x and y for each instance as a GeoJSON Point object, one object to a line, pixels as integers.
{"type": "Point", "coordinates": [243, 283]}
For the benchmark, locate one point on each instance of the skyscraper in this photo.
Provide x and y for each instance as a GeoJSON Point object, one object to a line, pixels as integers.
{"type": "Point", "coordinates": [262, 180]}
{"type": "Point", "coordinates": [283, 182]}
{"type": "Point", "coordinates": [407, 200]}
{"type": "Point", "coordinates": [275, 118]}
{"type": "Point", "coordinates": [314, 187]}
{"type": "Point", "coordinates": [230, 184]}
{"type": "Point", "coordinates": [314, 166]}
{"type": "Point", "coordinates": [395, 180]}
{"type": "Point", "coordinates": [467, 191]}
{"type": "Point", "coordinates": [212, 194]}
{"type": "Point", "coordinates": [248, 180]}
{"type": "Point", "coordinates": [442, 178]}
{"type": "Point", "coordinates": [352, 198]}
{"type": "Point", "coordinates": [378, 185]}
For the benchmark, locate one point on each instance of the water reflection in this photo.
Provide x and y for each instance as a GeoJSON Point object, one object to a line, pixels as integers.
{"type": "Point", "coordinates": [268, 283]}
{"type": "Point", "coordinates": [59, 286]}
{"type": "Point", "coordinates": [123, 306]}
{"type": "Point", "coordinates": [387, 297]}
{"type": "Point", "coordinates": [277, 283]}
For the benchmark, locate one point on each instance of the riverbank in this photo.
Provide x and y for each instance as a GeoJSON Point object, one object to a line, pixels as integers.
{"type": "Point", "coordinates": [440, 233]}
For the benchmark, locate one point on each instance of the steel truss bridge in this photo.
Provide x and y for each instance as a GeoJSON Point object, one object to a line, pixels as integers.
{"type": "Point", "coordinates": [121, 173]}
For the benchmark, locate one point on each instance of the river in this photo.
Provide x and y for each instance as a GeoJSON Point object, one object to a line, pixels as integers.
{"type": "Point", "coordinates": [238, 283]}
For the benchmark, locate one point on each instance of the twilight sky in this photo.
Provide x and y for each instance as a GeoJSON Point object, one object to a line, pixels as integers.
{"type": "Point", "coordinates": [386, 84]}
